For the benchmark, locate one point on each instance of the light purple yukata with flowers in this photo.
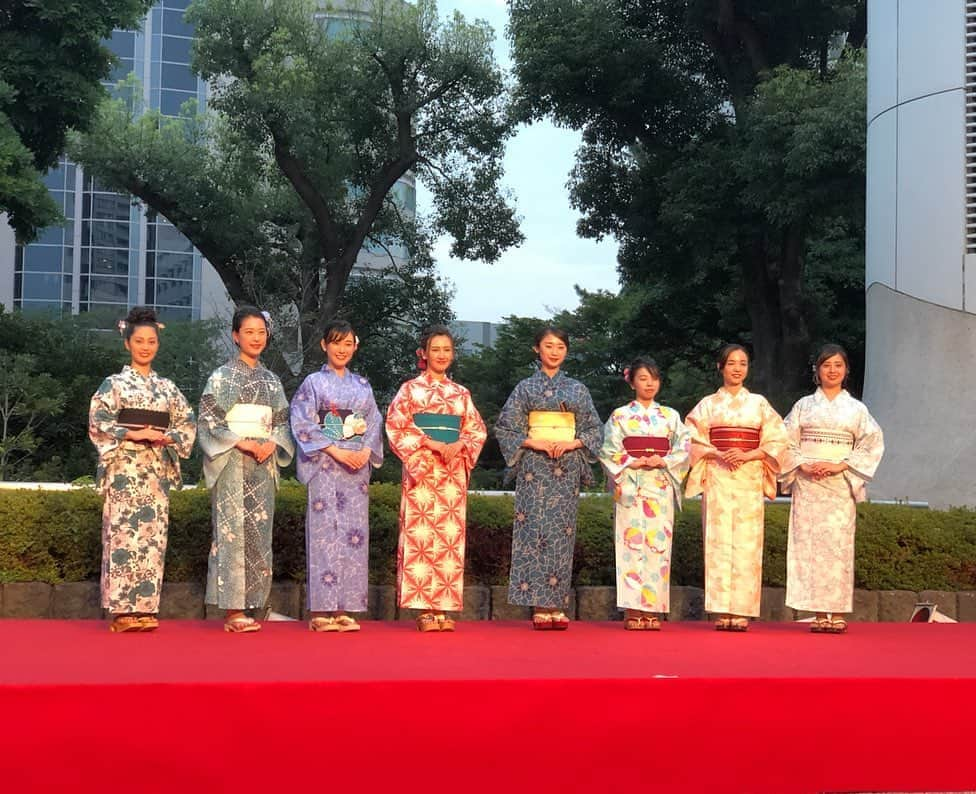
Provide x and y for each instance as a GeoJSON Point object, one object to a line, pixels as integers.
{"type": "Point", "coordinates": [337, 520]}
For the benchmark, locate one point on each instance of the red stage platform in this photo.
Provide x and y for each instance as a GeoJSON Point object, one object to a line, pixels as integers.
{"type": "Point", "coordinates": [494, 707]}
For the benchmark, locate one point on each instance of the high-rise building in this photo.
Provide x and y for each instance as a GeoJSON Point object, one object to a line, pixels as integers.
{"type": "Point", "coordinates": [112, 253]}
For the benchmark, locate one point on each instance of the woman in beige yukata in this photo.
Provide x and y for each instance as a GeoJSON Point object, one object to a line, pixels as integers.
{"type": "Point", "coordinates": [141, 425]}
{"type": "Point", "coordinates": [835, 447]}
{"type": "Point", "coordinates": [736, 441]}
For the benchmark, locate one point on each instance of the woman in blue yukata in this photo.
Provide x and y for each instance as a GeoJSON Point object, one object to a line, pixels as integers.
{"type": "Point", "coordinates": [339, 432]}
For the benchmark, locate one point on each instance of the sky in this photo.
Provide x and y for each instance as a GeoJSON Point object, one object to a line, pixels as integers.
{"type": "Point", "coordinates": [537, 279]}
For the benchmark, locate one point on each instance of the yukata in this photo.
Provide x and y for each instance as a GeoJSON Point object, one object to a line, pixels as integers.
{"type": "Point", "coordinates": [644, 503]}
{"type": "Point", "coordinates": [733, 512]}
{"type": "Point", "coordinates": [135, 479]}
{"type": "Point", "coordinates": [242, 491]}
{"type": "Point", "coordinates": [546, 489]}
{"type": "Point", "coordinates": [820, 547]}
{"type": "Point", "coordinates": [434, 494]}
{"type": "Point", "coordinates": [336, 410]}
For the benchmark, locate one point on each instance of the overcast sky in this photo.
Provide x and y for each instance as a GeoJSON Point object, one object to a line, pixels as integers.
{"type": "Point", "coordinates": [536, 279]}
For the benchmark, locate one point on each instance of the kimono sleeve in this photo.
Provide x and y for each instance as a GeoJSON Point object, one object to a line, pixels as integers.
{"type": "Point", "coordinates": [473, 431]}
{"type": "Point", "coordinates": [103, 415]}
{"type": "Point", "coordinates": [512, 425]}
{"type": "Point", "coordinates": [589, 428]}
{"type": "Point", "coordinates": [304, 416]}
{"type": "Point", "coordinates": [373, 438]}
{"type": "Point", "coordinates": [612, 455]}
{"type": "Point", "coordinates": [676, 461]}
{"type": "Point", "coordinates": [698, 423]}
{"type": "Point", "coordinates": [280, 428]}
{"type": "Point", "coordinates": [864, 458]}
{"type": "Point", "coordinates": [182, 426]}
{"type": "Point", "coordinates": [790, 458]}
{"type": "Point", "coordinates": [214, 435]}
{"type": "Point", "coordinates": [405, 437]}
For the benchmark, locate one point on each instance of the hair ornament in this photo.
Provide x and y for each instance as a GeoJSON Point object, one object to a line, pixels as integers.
{"type": "Point", "coordinates": [121, 325]}
{"type": "Point", "coordinates": [627, 374]}
{"type": "Point", "coordinates": [421, 360]}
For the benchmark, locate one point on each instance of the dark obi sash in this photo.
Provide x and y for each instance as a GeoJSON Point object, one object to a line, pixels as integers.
{"type": "Point", "coordinates": [726, 438]}
{"type": "Point", "coordinates": [138, 418]}
{"type": "Point", "coordinates": [440, 427]}
{"type": "Point", "coordinates": [645, 446]}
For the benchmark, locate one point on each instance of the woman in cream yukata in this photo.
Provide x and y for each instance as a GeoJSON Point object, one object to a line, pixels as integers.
{"type": "Point", "coordinates": [141, 426]}
{"type": "Point", "coordinates": [244, 435]}
{"type": "Point", "coordinates": [736, 441]}
{"type": "Point", "coordinates": [645, 451]}
{"type": "Point", "coordinates": [434, 487]}
{"type": "Point", "coordinates": [835, 447]}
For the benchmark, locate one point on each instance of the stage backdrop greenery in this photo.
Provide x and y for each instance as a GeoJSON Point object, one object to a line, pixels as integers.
{"type": "Point", "coordinates": [54, 537]}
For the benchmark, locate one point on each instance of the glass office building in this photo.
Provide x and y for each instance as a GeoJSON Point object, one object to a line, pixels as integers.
{"type": "Point", "coordinates": [112, 253]}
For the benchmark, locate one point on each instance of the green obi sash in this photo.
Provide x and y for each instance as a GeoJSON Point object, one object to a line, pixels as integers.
{"type": "Point", "coordinates": [440, 427]}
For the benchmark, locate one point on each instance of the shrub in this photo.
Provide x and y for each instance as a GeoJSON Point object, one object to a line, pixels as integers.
{"type": "Point", "coordinates": [54, 536]}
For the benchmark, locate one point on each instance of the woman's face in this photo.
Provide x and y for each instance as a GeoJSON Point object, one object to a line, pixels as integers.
{"type": "Point", "coordinates": [645, 385]}
{"type": "Point", "coordinates": [551, 351]}
{"type": "Point", "coordinates": [340, 351]}
{"type": "Point", "coordinates": [832, 372]}
{"type": "Point", "coordinates": [143, 345]}
{"type": "Point", "coordinates": [439, 354]}
{"type": "Point", "coordinates": [252, 337]}
{"type": "Point", "coordinates": [736, 368]}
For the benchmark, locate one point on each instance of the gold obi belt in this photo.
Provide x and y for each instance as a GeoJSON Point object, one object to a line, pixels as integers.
{"type": "Point", "coordinates": [818, 443]}
{"type": "Point", "coordinates": [440, 427]}
{"type": "Point", "coordinates": [248, 420]}
{"type": "Point", "coordinates": [645, 446]}
{"type": "Point", "coordinates": [552, 425]}
{"type": "Point", "coordinates": [726, 438]}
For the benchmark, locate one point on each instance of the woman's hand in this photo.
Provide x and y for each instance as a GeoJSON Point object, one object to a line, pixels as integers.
{"type": "Point", "coordinates": [148, 435]}
{"type": "Point", "coordinates": [264, 450]}
{"type": "Point", "coordinates": [820, 469]}
{"type": "Point", "coordinates": [736, 457]}
{"type": "Point", "coordinates": [559, 448]}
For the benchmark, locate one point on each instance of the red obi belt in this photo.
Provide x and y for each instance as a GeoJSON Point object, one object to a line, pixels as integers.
{"type": "Point", "coordinates": [645, 446]}
{"type": "Point", "coordinates": [726, 438]}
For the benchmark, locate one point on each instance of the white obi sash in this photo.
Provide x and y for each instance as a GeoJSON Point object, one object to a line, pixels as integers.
{"type": "Point", "coordinates": [249, 420]}
{"type": "Point", "coordinates": [819, 443]}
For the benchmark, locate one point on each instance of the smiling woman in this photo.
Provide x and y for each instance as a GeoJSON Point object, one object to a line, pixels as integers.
{"type": "Point", "coordinates": [141, 425]}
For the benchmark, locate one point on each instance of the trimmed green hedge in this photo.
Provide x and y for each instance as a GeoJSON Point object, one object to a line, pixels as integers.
{"type": "Point", "coordinates": [53, 536]}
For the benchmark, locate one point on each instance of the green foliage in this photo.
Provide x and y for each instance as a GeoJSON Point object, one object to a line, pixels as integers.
{"type": "Point", "coordinates": [55, 537]}
{"type": "Point", "coordinates": [724, 149]}
{"type": "Point", "coordinates": [27, 398]}
{"type": "Point", "coordinates": [52, 61]}
{"type": "Point", "coordinates": [294, 171]}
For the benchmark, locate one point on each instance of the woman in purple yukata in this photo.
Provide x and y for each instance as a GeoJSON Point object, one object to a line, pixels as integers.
{"type": "Point", "coordinates": [338, 429]}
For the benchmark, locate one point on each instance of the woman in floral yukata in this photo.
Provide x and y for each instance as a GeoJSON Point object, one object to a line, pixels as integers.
{"type": "Point", "coordinates": [736, 440]}
{"type": "Point", "coordinates": [645, 452]}
{"type": "Point", "coordinates": [835, 447]}
{"type": "Point", "coordinates": [549, 434]}
{"type": "Point", "coordinates": [141, 425]}
{"type": "Point", "coordinates": [244, 435]}
{"type": "Point", "coordinates": [434, 428]}
{"type": "Point", "coordinates": [339, 433]}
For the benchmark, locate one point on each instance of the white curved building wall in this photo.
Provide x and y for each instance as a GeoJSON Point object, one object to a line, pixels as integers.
{"type": "Point", "coordinates": [921, 295]}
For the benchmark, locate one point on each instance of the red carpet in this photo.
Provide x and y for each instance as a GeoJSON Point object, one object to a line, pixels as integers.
{"type": "Point", "coordinates": [495, 707]}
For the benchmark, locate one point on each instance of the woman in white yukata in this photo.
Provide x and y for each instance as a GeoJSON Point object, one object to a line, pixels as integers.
{"type": "Point", "coordinates": [835, 447]}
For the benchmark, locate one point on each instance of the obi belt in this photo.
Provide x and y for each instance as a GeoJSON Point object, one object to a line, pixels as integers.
{"type": "Point", "coordinates": [819, 443]}
{"type": "Point", "coordinates": [552, 425]}
{"type": "Point", "coordinates": [249, 420]}
{"type": "Point", "coordinates": [440, 427]}
{"type": "Point", "coordinates": [342, 423]}
{"type": "Point", "coordinates": [645, 446]}
{"type": "Point", "coordinates": [726, 438]}
{"type": "Point", "coordinates": [138, 418]}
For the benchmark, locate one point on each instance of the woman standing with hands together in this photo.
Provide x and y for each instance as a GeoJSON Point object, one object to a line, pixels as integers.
{"type": "Point", "coordinates": [736, 440]}
{"type": "Point", "coordinates": [549, 434]}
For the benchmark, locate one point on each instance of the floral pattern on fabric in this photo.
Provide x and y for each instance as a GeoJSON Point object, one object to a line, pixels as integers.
{"type": "Point", "coordinates": [135, 480]}
{"type": "Point", "coordinates": [644, 503]}
{"type": "Point", "coordinates": [242, 491]}
{"type": "Point", "coordinates": [732, 499]}
{"type": "Point", "coordinates": [337, 516]}
{"type": "Point", "coordinates": [820, 546]}
{"type": "Point", "coordinates": [546, 489]}
{"type": "Point", "coordinates": [434, 495]}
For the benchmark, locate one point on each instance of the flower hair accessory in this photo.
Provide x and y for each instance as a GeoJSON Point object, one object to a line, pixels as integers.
{"type": "Point", "coordinates": [421, 361]}
{"type": "Point", "coordinates": [627, 374]}
{"type": "Point", "coordinates": [121, 325]}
